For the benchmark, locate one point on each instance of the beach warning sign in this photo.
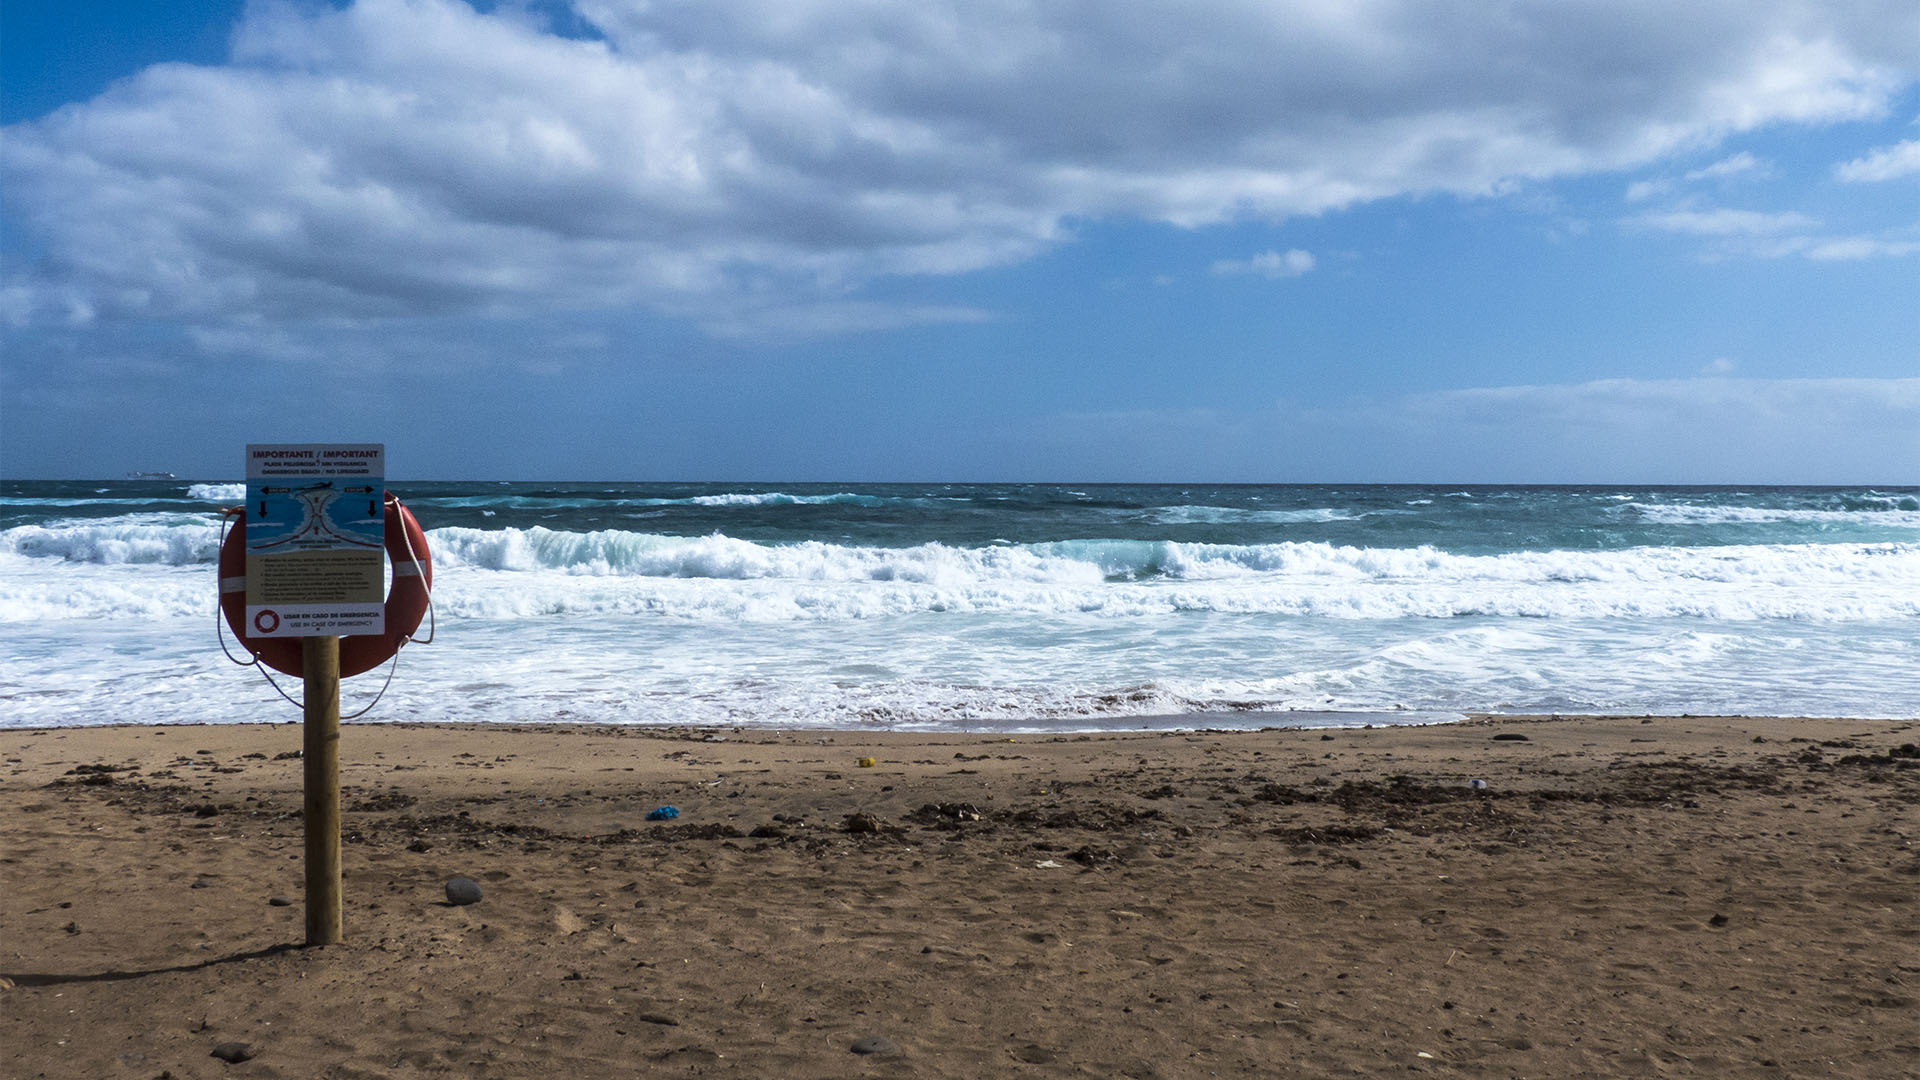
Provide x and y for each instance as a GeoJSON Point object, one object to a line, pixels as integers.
{"type": "Point", "coordinates": [316, 539]}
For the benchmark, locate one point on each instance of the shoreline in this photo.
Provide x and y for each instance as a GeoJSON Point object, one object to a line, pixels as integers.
{"type": "Point", "coordinates": [1709, 896]}
{"type": "Point", "coordinates": [1221, 722]}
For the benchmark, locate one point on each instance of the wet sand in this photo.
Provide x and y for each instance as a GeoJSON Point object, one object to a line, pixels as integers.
{"type": "Point", "coordinates": [1624, 897]}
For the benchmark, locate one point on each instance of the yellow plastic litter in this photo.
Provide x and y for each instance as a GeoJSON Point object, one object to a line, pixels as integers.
{"type": "Point", "coordinates": [867, 763]}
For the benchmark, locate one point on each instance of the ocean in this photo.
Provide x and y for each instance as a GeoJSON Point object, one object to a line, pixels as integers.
{"type": "Point", "coordinates": [1011, 607]}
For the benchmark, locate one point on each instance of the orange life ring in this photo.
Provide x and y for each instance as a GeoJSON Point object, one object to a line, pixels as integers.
{"type": "Point", "coordinates": [406, 601]}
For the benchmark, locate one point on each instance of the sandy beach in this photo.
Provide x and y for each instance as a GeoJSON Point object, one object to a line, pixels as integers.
{"type": "Point", "coordinates": [1623, 897]}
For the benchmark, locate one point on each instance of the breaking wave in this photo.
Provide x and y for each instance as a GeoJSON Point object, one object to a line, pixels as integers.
{"type": "Point", "coordinates": [509, 573]}
{"type": "Point", "coordinates": [1903, 512]}
{"type": "Point", "coordinates": [163, 539]}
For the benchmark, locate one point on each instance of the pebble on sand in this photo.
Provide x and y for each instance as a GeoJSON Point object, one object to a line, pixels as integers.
{"type": "Point", "coordinates": [875, 1044]}
{"type": "Point", "coordinates": [233, 1053]}
{"type": "Point", "coordinates": [462, 891]}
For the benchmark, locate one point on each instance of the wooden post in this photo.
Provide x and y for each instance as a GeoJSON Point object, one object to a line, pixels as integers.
{"type": "Point", "coordinates": [320, 660]}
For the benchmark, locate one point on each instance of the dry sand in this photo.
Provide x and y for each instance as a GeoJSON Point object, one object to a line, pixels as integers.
{"type": "Point", "coordinates": [1626, 897]}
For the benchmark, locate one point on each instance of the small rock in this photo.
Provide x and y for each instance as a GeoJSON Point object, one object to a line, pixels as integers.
{"type": "Point", "coordinates": [206, 810]}
{"type": "Point", "coordinates": [233, 1053]}
{"type": "Point", "coordinates": [862, 823]}
{"type": "Point", "coordinates": [462, 891]}
{"type": "Point", "coordinates": [1510, 736]}
{"type": "Point", "coordinates": [1717, 920]}
{"type": "Point", "coordinates": [657, 1018]}
{"type": "Point", "coordinates": [875, 1044]}
{"type": "Point", "coordinates": [419, 846]}
{"type": "Point", "coordinates": [201, 884]}
{"type": "Point", "coordinates": [279, 901]}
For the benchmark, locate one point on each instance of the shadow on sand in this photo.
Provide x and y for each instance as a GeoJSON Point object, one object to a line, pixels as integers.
{"type": "Point", "coordinates": [45, 979]}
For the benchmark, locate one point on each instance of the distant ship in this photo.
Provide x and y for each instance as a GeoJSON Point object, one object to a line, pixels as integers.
{"type": "Point", "coordinates": [151, 476]}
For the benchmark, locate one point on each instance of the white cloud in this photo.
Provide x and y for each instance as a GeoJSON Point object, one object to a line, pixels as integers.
{"type": "Point", "coordinates": [1886, 163]}
{"type": "Point", "coordinates": [1751, 234]}
{"type": "Point", "coordinates": [1272, 264]}
{"type": "Point", "coordinates": [1642, 190]}
{"type": "Point", "coordinates": [1742, 162]}
{"type": "Point", "coordinates": [1726, 222]}
{"type": "Point", "coordinates": [1847, 248]}
{"type": "Point", "coordinates": [733, 162]}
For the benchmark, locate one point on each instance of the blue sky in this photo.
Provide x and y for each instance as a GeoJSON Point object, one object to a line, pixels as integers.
{"type": "Point", "coordinates": [1623, 242]}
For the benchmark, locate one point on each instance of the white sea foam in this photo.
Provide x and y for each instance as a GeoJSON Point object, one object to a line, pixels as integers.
{"type": "Point", "coordinates": [12, 500]}
{"type": "Point", "coordinates": [1649, 579]}
{"type": "Point", "coordinates": [718, 578]}
{"type": "Point", "coordinates": [722, 500]}
{"type": "Point", "coordinates": [614, 553]}
{"type": "Point", "coordinates": [1230, 515]}
{"type": "Point", "coordinates": [219, 493]}
{"type": "Point", "coordinates": [111, 619]}
{"type": "Point", "coordinates": [1897, 512]}
{"type": "Point", "coordinates": [776, 498]}
{"type": "Point", "coordinates": [533, 572]}
{"type": "Point", "coordinates": [32, 591]}
{"type": "Point", "coordinates": [165, 539]}
{"type": "Point", "coordinates": [969, 671]}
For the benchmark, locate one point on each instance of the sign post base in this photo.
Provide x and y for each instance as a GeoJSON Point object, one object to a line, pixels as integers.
{"type": "Point", "coordinates": [320, 752]}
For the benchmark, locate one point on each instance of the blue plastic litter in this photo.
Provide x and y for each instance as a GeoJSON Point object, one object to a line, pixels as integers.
{"type": "Point", "coordinates": [665, 813]}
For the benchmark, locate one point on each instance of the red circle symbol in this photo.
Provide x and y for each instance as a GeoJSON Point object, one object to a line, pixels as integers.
{"type": "Point", "coordinates": [267, 621]}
